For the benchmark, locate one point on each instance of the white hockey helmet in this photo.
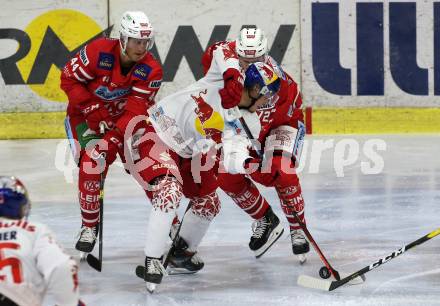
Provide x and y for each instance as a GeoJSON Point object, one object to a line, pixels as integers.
{"type": "Point", "coordinates": [251, 43]}
{"type": "Point", "coordinates": [136, 25]}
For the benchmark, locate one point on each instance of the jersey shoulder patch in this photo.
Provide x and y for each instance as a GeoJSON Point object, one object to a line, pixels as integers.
{"type": "Point", "coordinates": [142, 71]}
{"type": "Point", "coordinates": [155, 84]}
{"type": "Point", "coordinates": [106, 61]}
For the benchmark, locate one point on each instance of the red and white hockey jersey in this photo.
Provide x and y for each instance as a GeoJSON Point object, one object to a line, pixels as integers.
{"type": "Point", "coordinates": [32, 263]}
{"type": "Point", "coordinates": [95, 73]}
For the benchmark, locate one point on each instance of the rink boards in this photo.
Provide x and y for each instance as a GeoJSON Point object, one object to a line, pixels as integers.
{"type": "Point", "coordinates": [363, 66]}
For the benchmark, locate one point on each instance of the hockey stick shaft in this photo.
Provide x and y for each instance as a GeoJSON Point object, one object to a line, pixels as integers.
{"type": "Point", "coordinates": [101, 216]}
{"type": "Point", "coordinates": [297, 219]}
{"type": "Point", "coordinates": [381, 261]}
{"type": "Point", "coordinates": [316, 247]}
{"type": "Point", "coordinates": [101, 201]}
{"type": "Point", "coordinates": [92, 260]}
{"type": "Point", "coordinates": [176, 237]}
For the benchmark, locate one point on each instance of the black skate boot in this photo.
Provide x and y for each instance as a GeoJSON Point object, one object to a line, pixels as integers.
{"type": "Point", "coordinates": [154, 272]}
{"type": "Point", "coordinates": [266, 231]}
{"type": "Point", "coordinates": [183, 261]}
{"type": "Point", "coordinates": [300, 245]}
{"type": "Point", "coordinates": [87, 238]}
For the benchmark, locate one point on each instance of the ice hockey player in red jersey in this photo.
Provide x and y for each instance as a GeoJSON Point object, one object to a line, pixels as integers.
{"type": "Point", "coordinates": [281, 139]}
{"type": "Point", "coordinates": [32, 263]}
{"type": "Point", "coordinates": [108, 83]}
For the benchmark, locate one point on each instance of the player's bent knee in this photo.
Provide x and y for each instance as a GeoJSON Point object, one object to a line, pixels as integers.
{"type": "Point", "coordinates": [206, 207]}
{"type": "Point", "coordinates": [167, 193]}
{"type": "Point", "coordinates": [232, 183]}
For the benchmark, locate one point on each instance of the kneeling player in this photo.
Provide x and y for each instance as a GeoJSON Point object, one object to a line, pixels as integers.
{"type": "Point", "coordinates": [34, 263]}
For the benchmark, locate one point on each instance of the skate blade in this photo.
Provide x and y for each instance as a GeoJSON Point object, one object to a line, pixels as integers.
{"type": "Point", "coordinates": [150, 287]}
{"type": "Point", "coordinates": [179, 271]}
{"type": "Point", "coordinates": [355, 281]}
{"type": "Point", "coordinates": [302, 258]}
{"type": "Point", "coordinates": [82, 256]}
{"type": "Point", "coordinates": [276, 234]}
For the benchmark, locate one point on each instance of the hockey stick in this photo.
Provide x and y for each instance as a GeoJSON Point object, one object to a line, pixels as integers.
{"type": "Point", "coordinates": [330, 269]}
{"type": "Point", "coordinates": [311, 282]}
{"type": "Point", "coordinates": [94, 262]}
{"type": "Point", "coordinates": [176, 237]}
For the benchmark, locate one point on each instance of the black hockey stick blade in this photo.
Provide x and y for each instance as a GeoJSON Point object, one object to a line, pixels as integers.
{"type": "Point", "coordinates": [94, 262]}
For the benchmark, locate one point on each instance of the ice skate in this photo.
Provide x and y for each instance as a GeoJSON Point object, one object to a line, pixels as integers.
{"type": "Point", "coordinates": [183, 261]}
{"type": "Point", "coordinates": [266, 231]}
{"type": "Point", "coordinates": [87, 240]}
{"type": "Point", "coordinates": [154, 272]}
{"type": "Point", "coordinates": [300, 245]}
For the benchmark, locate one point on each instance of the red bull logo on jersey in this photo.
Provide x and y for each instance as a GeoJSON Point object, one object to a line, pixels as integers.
{"type": "Point", "coordinates": [208, 123]}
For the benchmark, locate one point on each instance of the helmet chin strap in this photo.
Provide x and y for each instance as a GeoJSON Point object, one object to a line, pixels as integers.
{"type": "Point", "coordinates": [123, 40]}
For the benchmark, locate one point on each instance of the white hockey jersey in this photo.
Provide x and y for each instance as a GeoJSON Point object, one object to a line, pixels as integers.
{"type": "Point", "coordinates": [31, 263]}
{"type": "Point", "coordinates": [193, 119]}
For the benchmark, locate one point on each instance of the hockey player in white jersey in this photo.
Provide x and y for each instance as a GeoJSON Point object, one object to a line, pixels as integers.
{"type": "Point", "coordinates": [193, 123]}
{"type": "Point", "coordinates": [31, 262]}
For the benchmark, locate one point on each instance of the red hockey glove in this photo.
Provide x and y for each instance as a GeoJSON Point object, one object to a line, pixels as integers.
{"type": "Point", "coordinates": [107, 148]}
{"type": "Point", "coordinates": [231, 92]}
{"type": "Point", "coordinates": [276, 171]}
{"type": "Point", "coordinates": [95, 113]}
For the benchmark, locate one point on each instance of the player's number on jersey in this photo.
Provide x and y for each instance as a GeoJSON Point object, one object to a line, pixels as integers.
{"type": "Point", "coordinates": [10, 262]}
{"type": "Point", "coordinates": [72, 63]}
{"type": "Point", "coordinates": [264, 116]}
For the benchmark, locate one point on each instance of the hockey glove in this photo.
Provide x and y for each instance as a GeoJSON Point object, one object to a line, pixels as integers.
{"type": "Point", "coordinates": [277, 170]}
{"type": "Point", "coordinates": [95, 113]}
{"type": "Point", "coordinates": [106, 149]}
{"type": "Point", "coordinates": [231, 92]}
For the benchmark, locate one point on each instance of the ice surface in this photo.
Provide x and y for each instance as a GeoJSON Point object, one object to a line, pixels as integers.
{"type": "Point", "coordinates": [356, 219]}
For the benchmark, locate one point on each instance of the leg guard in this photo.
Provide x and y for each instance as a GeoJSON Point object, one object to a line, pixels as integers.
{"type": "Point", "coordinates": [197, 220]}
{"type": "Point", "coordinates": [165, 199]}
{"type": "Point", "coordinates": [245, 194]}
